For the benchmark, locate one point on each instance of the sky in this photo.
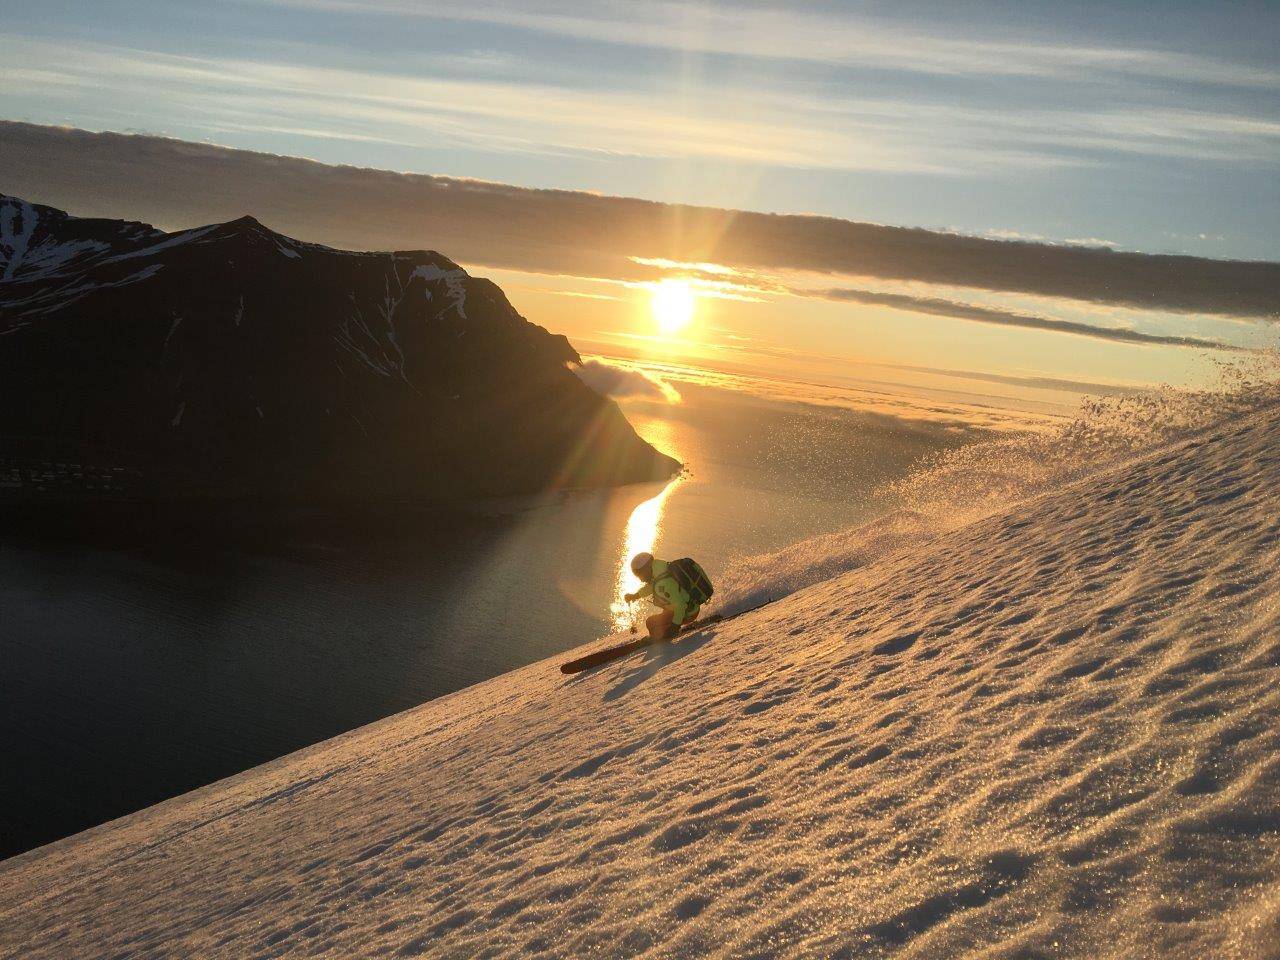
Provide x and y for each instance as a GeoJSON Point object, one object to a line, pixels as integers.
{"type": "Point", "coordinates": [1151, 127]}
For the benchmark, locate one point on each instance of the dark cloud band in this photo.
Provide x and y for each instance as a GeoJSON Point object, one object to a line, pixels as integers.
{"type": "Point", "coordinates": [968, 311]}
{"type": "Point", "coordinates": [174, 183]}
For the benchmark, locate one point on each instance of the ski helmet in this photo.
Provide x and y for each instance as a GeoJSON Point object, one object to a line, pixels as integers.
{"type": "Point", "coordinates": [641, 562]}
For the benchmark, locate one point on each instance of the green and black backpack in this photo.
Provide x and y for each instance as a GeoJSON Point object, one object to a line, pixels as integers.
{"type": "Point", "coordinates": [692, 579]}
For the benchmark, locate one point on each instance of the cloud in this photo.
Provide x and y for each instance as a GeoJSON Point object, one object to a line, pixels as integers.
{"type": "Point", "coordinates": [789, 32]}
{"type": "Point", "coordinates": [611, 380]}
{"type": "Point", "coordinates": [746, 121]}
{"type": "Point", "coordinates": [990, 315]}
{"type": "Point", "coordinates": [176, 184]}
{"type": "Point", "coordinates": [745, 125]}
{"type": "Point", "coordinates": [1091, 387]}
{"type": "Point", "coordinates": [586, 296]}
{"type": "Point", "coordinates": [1005, 234]}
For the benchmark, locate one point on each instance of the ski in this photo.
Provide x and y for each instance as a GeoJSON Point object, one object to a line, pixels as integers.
{"type": "Point", "coordinates": [609, 654]}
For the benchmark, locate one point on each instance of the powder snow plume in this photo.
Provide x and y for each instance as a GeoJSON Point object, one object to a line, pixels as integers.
{"type": "Point", "coordinates": [964, 484]}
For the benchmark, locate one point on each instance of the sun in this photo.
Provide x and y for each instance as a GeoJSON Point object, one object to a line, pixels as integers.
{"type": "Point", "coordinates": [672, 305]}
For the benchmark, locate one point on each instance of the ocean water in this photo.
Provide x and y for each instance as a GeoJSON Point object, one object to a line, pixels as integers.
{"type": "Point", "coordinates": [134, 675]}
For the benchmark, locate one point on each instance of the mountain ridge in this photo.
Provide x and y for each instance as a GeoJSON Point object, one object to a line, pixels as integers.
{"type": "Point", "coordinates": [233, 361]}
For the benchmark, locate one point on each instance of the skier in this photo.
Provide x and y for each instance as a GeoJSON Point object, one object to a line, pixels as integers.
{"type": "Point", "coordinates": [678, 588]}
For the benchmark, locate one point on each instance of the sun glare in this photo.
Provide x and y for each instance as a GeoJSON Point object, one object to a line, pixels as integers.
{"type": "Point", "coordinates": [672, 305]}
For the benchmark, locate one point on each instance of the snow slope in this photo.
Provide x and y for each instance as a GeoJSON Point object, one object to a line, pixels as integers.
{"type": "Point", "coordinates": [1053, 732]}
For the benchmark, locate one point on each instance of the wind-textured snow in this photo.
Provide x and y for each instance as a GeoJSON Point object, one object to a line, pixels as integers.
{"type": "Point", "coordinates": [1052, 732]}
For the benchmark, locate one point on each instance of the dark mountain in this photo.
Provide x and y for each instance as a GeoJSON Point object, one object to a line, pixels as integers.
{"type": "Point", "coordinates": [230, 361]}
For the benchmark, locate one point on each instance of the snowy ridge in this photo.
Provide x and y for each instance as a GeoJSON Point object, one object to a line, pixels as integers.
{"type": "Point", "coordinates": [170, 241]}
{"type": "Point", "coordinates": [1053, 732]}
{"type": "Point", "coordinates": [18, 221]}
{"type": "Point", "coordinates": [32, 250]}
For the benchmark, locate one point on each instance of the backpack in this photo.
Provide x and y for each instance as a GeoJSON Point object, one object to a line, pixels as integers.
{"type": "Point", "coordinates": [692, 579]}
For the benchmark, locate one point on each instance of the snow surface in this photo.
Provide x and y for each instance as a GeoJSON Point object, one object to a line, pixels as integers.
{"type": "Point", "coordinates": [1053, 731]}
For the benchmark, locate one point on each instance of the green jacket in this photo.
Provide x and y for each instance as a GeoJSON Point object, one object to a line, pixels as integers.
{"type": "Point", "coordinates": [668, 594]}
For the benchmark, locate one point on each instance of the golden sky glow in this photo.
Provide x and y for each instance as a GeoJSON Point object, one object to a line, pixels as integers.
{"type": "Point", "coordinates": [763, 327]}
{"type": "Point", "coordinates": [643, 527]}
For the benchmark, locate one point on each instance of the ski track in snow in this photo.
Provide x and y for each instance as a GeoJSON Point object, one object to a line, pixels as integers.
{"type": "Point", "coordinates": [1054, 732]}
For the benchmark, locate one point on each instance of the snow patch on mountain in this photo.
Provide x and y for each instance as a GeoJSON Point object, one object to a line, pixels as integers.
{"type": "Point", "coordinates": [17, 224]}
{"type": "Point", "coordinates": [173, 328]}
{"type": "Point", "coordinates": [357, 338]}
{"type": "Point", "coordinates": [454, 280]}
{"type": "Point", "coordinates": [172, 240]}
{"type": "Point", "coordinates": [45, 260]}
{"type": "Point", "coordinates": [22, 255]}
{"type": "Point", "coordinates": [70, 291]}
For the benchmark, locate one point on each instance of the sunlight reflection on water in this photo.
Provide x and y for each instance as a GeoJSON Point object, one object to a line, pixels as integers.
{"type": "Point", "coordinates": [644, 526]}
